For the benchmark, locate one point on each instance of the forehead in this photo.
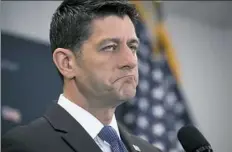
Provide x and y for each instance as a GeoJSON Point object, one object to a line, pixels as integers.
{"type": "Point", "coordinates": [113, 26]}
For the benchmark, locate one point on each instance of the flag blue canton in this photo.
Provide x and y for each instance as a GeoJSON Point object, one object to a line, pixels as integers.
{"type": "Point", "coordinates": [158, 111]}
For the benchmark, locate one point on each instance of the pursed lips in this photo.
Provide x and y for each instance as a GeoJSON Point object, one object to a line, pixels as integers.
{"type": "Point", "coordinates": [125, 77]}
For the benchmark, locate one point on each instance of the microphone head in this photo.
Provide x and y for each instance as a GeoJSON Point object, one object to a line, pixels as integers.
{"type": "Point", "coordinates": [192, 140]}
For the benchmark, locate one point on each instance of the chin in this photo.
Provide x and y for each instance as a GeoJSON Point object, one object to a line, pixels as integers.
{"type": "Point", "coordinates": [122, 98]}
{"type": "Point", "coordinates": [126, 96]}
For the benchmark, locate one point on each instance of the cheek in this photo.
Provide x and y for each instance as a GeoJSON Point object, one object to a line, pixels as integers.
{"type": "Point", "coordinates": [137, 75]}
{"type": "Point", "coordinates": [101, 67]}
{"type": "Point", "coordinates": [101, 74]}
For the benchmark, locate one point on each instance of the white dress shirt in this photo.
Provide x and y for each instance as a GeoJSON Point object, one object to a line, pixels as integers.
{"type": "Point", "coordinates": [87, 121]}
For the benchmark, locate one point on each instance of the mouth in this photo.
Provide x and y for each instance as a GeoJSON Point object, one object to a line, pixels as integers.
{"type": "Point", "coordinates": [126, 77]}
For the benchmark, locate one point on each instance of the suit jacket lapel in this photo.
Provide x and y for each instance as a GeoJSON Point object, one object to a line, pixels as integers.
{"type": "Point", "coordinates": [126, 138]}
{"type": "Point", "coordinates": [71, 131]}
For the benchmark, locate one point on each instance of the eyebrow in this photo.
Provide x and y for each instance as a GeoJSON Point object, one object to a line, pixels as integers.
{"type": "Point", "coordinates": [104, 41]}
{"type": "Point", "coordinates": [117, 40]}
{"type": "Point", "coordinates": [133, 40]}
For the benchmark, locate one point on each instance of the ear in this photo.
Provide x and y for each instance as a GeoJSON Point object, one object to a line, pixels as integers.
{"type": "Point", "coordinates": [64, 60]}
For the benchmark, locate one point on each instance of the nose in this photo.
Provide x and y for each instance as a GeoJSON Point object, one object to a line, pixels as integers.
{"type": "Point", "coordinates": [127, 59]}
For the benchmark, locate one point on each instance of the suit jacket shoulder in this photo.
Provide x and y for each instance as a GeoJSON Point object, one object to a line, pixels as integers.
{"type": "Point", "coordinates": [137, 143]}
{"type": "Point", "coordinates": [28, 138]}
{"type": "Point", "coordinates": [144, 145]}
{"type": "Point", "coordinates": [55, 131]}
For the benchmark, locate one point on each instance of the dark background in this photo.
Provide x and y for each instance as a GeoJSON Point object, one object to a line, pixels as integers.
{"type": "Point", "coordinates": [29, 78]}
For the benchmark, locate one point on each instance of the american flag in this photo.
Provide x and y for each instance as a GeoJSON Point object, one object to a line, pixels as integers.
{"type": "Point", "coordinates": [158, 111]}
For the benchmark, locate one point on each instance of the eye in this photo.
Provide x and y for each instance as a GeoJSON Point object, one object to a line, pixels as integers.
{"type": "Point", "coordinates": [134, 48]}
{"type": "Point", "coordinates": [110, 48]}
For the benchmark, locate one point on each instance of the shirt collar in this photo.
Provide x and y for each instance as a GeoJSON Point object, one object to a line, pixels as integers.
{"type": "Point", "coordinates": [86, 119]}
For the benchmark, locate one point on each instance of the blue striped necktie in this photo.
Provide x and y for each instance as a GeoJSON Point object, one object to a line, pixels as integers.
{"type": "Point", "coordinates": [109, 135]}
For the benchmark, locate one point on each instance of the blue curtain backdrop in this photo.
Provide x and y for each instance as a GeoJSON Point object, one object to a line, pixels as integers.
{"type": "Point", "coordinates": [29, 80]}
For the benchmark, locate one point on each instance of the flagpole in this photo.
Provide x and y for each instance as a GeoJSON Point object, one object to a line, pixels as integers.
{"type": "Point", "coordinates": [163, 40]}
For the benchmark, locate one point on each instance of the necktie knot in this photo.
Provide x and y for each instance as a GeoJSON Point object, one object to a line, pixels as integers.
{"type": "Point", "coordinates": [108, 134]}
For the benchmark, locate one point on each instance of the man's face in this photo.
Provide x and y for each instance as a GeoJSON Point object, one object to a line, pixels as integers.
{"type": "Point", "coordinates": [107, 69]}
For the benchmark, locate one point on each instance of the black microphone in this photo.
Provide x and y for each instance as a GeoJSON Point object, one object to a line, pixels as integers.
{"type": "Point", "coordinates": [192, 140]}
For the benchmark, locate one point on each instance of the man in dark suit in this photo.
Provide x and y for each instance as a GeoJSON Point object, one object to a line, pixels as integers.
{"type": "Point", "coordinates": [94, 46]}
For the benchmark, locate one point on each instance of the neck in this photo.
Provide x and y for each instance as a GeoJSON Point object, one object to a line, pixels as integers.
{"type": "Point", "coordinates": [103, 114]}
